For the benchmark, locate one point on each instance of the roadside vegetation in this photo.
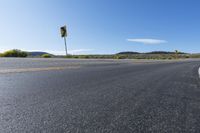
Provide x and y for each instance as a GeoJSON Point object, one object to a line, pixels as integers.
{"type": "Point", "coordinates": [136, 56]}
{"type": "Point", "coordinates": [14, 53]}
{"type": "Point", "coordinates": [46, 56]}
{"type": "Point", "coordinates": [155, 55]}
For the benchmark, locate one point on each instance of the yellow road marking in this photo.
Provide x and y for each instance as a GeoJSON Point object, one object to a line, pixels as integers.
{"type": "Point", "coordinates": [20, 70]}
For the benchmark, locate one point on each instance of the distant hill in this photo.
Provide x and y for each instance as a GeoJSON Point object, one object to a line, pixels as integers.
{"type": "Point", "coordinates": [37, 53]}
{"type": "Point", "coordinates": [153, 52]}
{"type": "Point", "coordinates": [128, 52]}
{"type": "Point", "coordinates": [163, 52]}
{"type": "Point", "coordinates": [159, 52]}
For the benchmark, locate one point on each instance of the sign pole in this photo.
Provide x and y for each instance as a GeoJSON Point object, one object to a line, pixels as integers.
{"type": "Point", "coordinates": [63, 31]}
{"type": "Point", "coordinates": [65, 46]}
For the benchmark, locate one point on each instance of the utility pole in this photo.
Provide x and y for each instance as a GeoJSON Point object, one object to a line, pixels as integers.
{"type": "Point", "coordinates": [63, 31]}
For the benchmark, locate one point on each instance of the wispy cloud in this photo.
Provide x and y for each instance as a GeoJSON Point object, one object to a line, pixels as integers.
{"type": "Point", "coordinates": [147, 41]}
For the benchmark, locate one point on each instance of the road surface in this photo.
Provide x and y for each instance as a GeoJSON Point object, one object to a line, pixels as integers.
{"type": "Point", "coordinates": [99, 96]}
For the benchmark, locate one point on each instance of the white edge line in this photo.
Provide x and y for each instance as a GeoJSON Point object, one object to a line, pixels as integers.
{"type": "Point", "coordinates": [199, 72]}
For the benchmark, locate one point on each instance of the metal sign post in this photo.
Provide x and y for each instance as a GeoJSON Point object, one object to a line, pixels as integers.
{"type": "Point", "coordinates": [63, 31]}
{"type": "Point", "coordinates": [65, 46]}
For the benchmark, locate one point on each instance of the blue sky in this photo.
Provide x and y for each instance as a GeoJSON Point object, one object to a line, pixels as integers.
{"type": "Point", "coordinates": [100, 26]}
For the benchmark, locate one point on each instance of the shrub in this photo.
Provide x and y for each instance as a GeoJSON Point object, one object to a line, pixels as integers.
{"type": "Point", "coordinates": [46, 56]}
{"type": "Point", "coordinates": [14, 53]}
{"type": "Point", "coordinates": [187, 56]}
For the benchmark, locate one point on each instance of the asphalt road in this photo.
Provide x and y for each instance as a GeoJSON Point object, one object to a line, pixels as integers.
{"type": "Point", "coordinates": [99, 96]}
